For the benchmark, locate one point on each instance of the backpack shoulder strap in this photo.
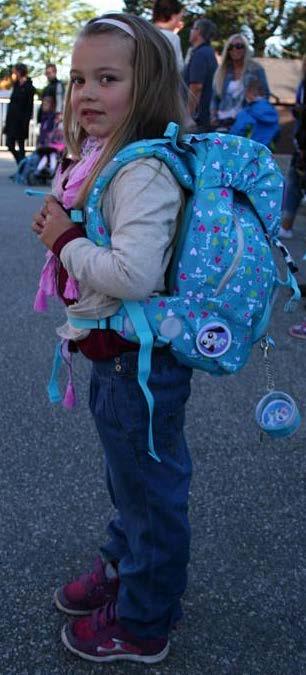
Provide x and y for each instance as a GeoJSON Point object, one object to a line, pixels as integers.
{"type": "Point", "coordinates": [165, 149]}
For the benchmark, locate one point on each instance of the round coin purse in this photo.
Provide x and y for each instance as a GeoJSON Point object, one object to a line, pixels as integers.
{"type": "Point", "coordinates": [277, 414]}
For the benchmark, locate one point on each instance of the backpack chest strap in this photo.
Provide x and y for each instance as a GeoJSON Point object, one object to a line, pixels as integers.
{"type": "Point", "coordinates": [113, 322]}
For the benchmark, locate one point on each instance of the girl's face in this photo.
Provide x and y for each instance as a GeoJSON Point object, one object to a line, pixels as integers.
{"type": "Point", "coordinates": [102, 78]}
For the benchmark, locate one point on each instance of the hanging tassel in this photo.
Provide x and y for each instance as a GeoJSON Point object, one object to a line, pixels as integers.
{"type": "Point", "coordinates": [40, 302]}
{"type": "Point", "coordinates": [69, 400]}
{"type": "Point", "coordinates": [47, 283]}
{"type": "Point", "coordinates": [48, 279]}
{"type": "Point", "coordinates": [71, 291]}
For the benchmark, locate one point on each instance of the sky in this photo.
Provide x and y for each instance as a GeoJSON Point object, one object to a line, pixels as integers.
{"type": "Point", "coordinates": [102, 6]}
{"type": "Point", "coordinates": [106, 5]}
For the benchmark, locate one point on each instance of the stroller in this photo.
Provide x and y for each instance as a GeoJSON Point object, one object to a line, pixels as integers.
{"type": "Point", "coordinates": [40, 167]}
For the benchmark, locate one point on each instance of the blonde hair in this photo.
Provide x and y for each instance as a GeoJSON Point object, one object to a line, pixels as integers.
{"type": "Point", "coordinates": [156, 92]}
{"type": "Point", "coordinates": [222, 69]}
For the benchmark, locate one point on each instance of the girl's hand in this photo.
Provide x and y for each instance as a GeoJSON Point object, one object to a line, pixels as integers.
{"type": "Point", "coordinates": [51, 222]}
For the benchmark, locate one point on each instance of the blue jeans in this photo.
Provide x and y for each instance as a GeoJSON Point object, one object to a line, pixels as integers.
{"type": "Point", "coordinates": [150, 533]}
{"type": "Point", "coordinates": [293, 192]}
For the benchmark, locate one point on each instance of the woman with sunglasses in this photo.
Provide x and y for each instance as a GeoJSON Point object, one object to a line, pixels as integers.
{"type": "Point", "coordinates": [236, 68]}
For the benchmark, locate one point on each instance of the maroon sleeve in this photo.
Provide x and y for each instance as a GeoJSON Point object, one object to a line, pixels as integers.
{"type": "Point", "coordinates": [73, 233]}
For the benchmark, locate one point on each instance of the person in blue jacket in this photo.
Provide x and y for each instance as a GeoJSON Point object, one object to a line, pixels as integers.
{"type": "Point", "coordinates": [258, 119]}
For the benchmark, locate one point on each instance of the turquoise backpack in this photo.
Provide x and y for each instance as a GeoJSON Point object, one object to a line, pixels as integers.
{"type": "Point", "coordinates": [223, 278]}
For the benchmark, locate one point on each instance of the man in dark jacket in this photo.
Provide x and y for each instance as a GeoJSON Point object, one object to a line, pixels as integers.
{"type": "Point", "coordinates": [54, 89]}
{"type": "Point", "coordinates": [199, 72]}
{"type": "Point", "coordinates": [19, 112]}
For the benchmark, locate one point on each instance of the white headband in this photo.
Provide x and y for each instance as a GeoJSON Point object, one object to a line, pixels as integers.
{"type": "Point", "coordinates": [119, 24]}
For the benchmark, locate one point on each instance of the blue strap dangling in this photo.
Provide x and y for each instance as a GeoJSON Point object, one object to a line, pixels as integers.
{"type": "Point", "coordinates": [145, 337]}
{"type": "Point", "coordinates": [61, 355]}
{"type": "Point", "coordinates": [291, 282]}
{"type": "Point", "coordinates": [53, 386]}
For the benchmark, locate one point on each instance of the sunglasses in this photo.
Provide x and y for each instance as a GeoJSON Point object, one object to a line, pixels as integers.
{"type": "Point", "coordinates": [237, 45]}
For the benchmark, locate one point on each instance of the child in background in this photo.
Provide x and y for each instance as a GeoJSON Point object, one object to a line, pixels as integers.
{"type": "Point", "coordinates": [51, 152]}
{"type": "Point", "coordinates": [48, 154]}
{"type": "Point", "coordinates": [46, 120]}
{"type": "Point", "coordinates": [41, 165]}
{"type": "Point", "coordinates": [258, 119]}
{"type": "Point", "coordinates": [125, 86]}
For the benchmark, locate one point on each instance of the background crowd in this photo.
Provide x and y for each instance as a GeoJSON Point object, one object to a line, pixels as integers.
{"type": "Point", "coordinates": [228, 93]}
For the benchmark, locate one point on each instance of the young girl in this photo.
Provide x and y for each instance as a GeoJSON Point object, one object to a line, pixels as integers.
{"type": "Point", "coordinates": [125, 86]}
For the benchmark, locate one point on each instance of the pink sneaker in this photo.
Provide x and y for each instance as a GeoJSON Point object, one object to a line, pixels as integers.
{"type": "Point", "coordinates": [298, 330]}
{"type": "Point", "coordinates": [89, 591]}
{"type": "Point", "coordinates": [101, 638]}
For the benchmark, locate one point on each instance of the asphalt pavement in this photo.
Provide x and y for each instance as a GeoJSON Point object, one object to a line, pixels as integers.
{"type": "Point", "coordinates": [245, 603]}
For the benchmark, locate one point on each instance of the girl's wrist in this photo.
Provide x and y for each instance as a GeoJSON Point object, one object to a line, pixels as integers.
{"type": "Point", "coordinates": [74, 232]}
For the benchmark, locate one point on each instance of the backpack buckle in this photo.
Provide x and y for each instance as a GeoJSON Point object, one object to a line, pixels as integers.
{"type": "Point", "coordinates": [76, 215]}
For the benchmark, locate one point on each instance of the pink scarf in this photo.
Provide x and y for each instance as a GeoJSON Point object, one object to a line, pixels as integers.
{"type": "Point", "coordinates": [90, 153]}
{"type": "Point", "coordinates": [77, 173]}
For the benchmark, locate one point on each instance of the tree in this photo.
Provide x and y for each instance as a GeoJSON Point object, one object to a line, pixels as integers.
{"type": "Point", "coordinates": [134, 7]}
{"type": "Point", "coordinates": [263, 17]}
{"type": "Point", "coordinates": [38, 31]}
{"type": "Point", "coordinates": [294, 30]}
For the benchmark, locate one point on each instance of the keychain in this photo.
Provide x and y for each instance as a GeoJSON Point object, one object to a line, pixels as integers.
{"type": "Point", "coordinates": [276, 413]}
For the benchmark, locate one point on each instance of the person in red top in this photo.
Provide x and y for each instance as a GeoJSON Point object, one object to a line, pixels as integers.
{"type": "Point", "coordinates": [124, 86]}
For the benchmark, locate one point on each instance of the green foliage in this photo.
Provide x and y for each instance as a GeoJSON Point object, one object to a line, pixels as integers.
{"type": "Point", "coordinates": [134, 7]}
{"type": "Point", "coordinates": [139, 7]}
{"type": "Point", "coordinates": [38, 31]}
{"type": "Point", "coordinates": [294, 30]}
{"type": "Point", "coordinates": [264, 17]}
